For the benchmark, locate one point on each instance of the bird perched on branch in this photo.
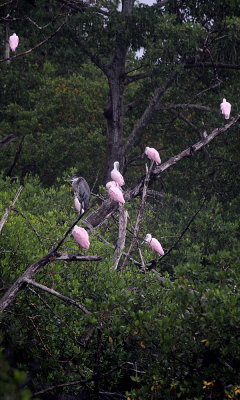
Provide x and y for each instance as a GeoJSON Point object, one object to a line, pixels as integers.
{"type": "Point", "coordinates": [153, 154]}
{"type": "Point", "coordinates": [81, 236]}
{"type": "Point", "coordinates": [154, 244]}
{"type": "Point", "coordinates": [81, 192]}
{"type": "Point", "coordinates": [115, 193]}
{"type": "Point", "coordinates": [116, 175]}
{"type": "Point", "coordinates": [225, 108]}
{"type": "Point", "coordinates": [13, 42]}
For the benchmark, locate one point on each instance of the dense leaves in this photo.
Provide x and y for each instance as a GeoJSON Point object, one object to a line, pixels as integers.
{"type": "Point", "coordinates": [170, 329]}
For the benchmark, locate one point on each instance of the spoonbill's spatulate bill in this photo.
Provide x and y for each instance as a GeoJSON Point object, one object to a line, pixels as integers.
{"type": "Point", "coordinates": [13, 42]}
{"type": "Point", "coordinates": [225, 108]}
{"type": "Point", "coordinates": [154, 244]}
{"type": "Point", "coordinates": [116, 194]}
{"type": "Point", "coordinates": [116, 175]}
{"type": "Point", "coordinates": [81, 237]}
{"type": "Point", "coordinates": [153, 154]}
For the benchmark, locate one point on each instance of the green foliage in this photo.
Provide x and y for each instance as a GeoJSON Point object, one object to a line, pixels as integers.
{"type": "Point", "coordinates": [174, 338]}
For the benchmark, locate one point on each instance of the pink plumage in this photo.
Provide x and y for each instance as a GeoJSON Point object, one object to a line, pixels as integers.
{"type": "Point", "coordinates": [81, 236]}
{"type": "Point", "coordinates": [77, 204]}
{"type": "Point", "coordinates": [116, 175]}
{"type": "Point", "coordinates": [116, 194]}
{"type": "Point", "coordinates": [153, 154]}
{"type": "Point", "coordinates": [154, 244]}
{"type": "Point", "coordinates": [225, 108]}
{"type": "Point", "coordinates": [13, 42]}
{"type": "Point", "coordinates": [111, 183]}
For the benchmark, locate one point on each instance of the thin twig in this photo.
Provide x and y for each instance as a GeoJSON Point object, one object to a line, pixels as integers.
{"type": "Point", "coordinates": [57, 294]}
{"type": "Point", "coordinates": [37, 45]}
{"type": "Point", "coordinates": [4, 218]}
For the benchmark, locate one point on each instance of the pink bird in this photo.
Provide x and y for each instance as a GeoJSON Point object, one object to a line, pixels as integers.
{"type": "Point", "coordinates": [81, 236]}
{"type": "Point", "coordinates": [77, 204]}
{"type": "Point", "coordinates": [116, 175]}
{"type": "Point", "coordinates": [111, 183]}
{"type": "Point", "coordinates": [116, 194]}
{"type": "Point", "coordinates": [153, 154]}
{"type": "Point", "coordinates": [225, 108]}
{"type": "Point", "coordinates": [13, 42]}
{"type": "Point", "coordinates": [154, 244]}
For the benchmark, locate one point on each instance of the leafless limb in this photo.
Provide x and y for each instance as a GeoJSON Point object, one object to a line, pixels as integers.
{"type": "Point", "coordinates": [4, 218]}
{"type": "Point", "coordinates": [176, 106]}
{"type": "Point", "coordinates": [57, 294]}
{"type": "Point", "coordinates": [185, 229]}
{"type": "Point", "coordinates": [7, 139]}
{"type": "Point", "coordinates": [9, 2]}
{"type": "Point", "coordinates": [22, 215]}
{"type": "Point", "coordinates": [196, 129]}
{"type": "Point", "coordinates": [17, 155]}
{"type": "Point", "coordinates": [147, 114]}
{"type": "Point", "coordinates": [139, 217]}
{"type": "Point", "coordinates": [20, 283]}
{"type": "Point", "coordinates": [37, 45]}
{"type": "Point", "coordinates": [108, 206]}
{"type": "Point", "coordinates": [210, 65]}
{"type": "Point", "coordinates": [123, 216]}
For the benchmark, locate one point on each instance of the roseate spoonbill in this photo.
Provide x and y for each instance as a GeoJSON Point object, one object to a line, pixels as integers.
{"type": "Point", "coordinates": [81, 236]}
{"type": "Point", "coordinates": [116, 175]}
{"type": "Point", "coordinates": [13, 42]}
{"type": "Point", "coordinates": [153, 154]}
{"type": "Point", "coordinates": [154, 244]}
{"type": "Point", "coordinates": [111, 183]}
{"type": "Point", "coordinates": [77, 204]}
{"type": "Point", "coordinates": [82, 192]}
{"type": "Point", "coordinates": [225, 108]}
{"type": "Point", "coordinates": [116, 194]}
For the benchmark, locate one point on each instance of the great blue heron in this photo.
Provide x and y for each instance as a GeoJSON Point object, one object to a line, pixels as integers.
{"type": "Point", "coordinates": [81, 192]}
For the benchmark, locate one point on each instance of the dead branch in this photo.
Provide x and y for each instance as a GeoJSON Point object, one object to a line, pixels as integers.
{"type": "Point", "coordinates": [185, 229]}
{"type": "Point", "coordinates": [139, 217]}
{"type": "Point", "coordinates": [22, 215]}
{"type": "Point", "coordinates": [147, 114]}
{"type": "Point", "coordinates": [17, 155]}
{"type": "Point", "coordinates": [4, 218]}
{"type": "Point", "coordinates": [57, 294]}
{"type": "Point", "coordinates": [7, 139]}
{"type": "Point", "coordinates": [123, 216]}
{"type": "Point", "coordinates": [176, 106]}
{"type": "Point", "coordinates": [37, 45]}
{"type": "Point", "coordinates": [96, 218]}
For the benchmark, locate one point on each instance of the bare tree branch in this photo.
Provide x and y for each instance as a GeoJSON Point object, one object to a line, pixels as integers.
{"type": "Point", "coordinates": [174, 106]}
{"type": "Point", "coordinates": [7, 139]}
{"type": "Point", "coordinates": [100, 214]}
{"type": "Point", "coordinates": [147, 114]}
{"type": "Point", "coordinates": [17, 155]}
{"type": "Point", "coordinates": [4, 218]}
{"type": "Point", "coordinates": [123, 216]}
{"type": "Point", "coordinates": [57, 294]}
{"type": "Point", "coordinates": [139, 217]}
{"type": "Point", "coordinates": [211, 65]}
{"type": "Point", "coordinates": [22, 215]}
{"type": "Point", "coordinates": [37, 45]}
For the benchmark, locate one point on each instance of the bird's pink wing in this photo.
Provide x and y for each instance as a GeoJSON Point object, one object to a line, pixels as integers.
{"type": "Point", "coordinates": [77, 204]}
{"type": "Point", "coordinates": [13, 42]}
{"type": "Point", "coordinates": [117, 177]}
{"type": "Point", "coordinates": [116, 194]}
{"type": "Point", "coordinates": [81, 236]}
{"type": "Point", "coordinates": [156, 246]}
